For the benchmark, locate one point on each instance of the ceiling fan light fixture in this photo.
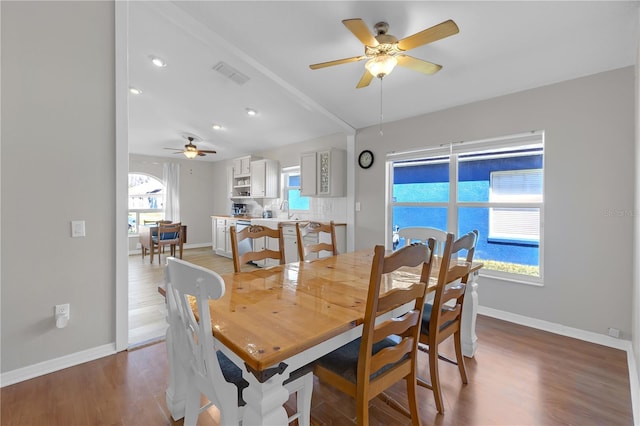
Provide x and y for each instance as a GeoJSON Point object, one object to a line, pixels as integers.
{"type": "Point", "coordinates": [381, 65]}
{"type": "Point", "coordinates": [190, 153]}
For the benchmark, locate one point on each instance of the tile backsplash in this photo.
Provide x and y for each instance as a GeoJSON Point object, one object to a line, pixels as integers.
{"type": "Point", "coordinates": [320, 208]}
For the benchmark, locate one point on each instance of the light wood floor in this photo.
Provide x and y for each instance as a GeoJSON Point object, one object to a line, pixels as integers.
{"type": "Point", "coordinates": [519, 376]}
{"type": "Point", "coordinates": [147, 311]}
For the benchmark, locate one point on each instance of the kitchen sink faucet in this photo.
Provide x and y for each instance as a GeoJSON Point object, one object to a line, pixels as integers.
{"type": "Point", "coordinates": [282, 206]}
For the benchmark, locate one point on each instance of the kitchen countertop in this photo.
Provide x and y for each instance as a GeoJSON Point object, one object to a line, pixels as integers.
{"type": "Point", "coordinates": [275, 219]}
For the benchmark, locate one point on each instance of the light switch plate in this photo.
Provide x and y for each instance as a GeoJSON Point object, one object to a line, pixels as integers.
{"type": "Point", "coordinates": [77, 228]}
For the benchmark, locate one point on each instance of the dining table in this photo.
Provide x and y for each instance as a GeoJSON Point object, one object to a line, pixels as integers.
{"type": "Point", "coordinates": [275, 320]}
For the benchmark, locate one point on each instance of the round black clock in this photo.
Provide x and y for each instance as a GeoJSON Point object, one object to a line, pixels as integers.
{"type": "Point", "coordinates": [365, 159]}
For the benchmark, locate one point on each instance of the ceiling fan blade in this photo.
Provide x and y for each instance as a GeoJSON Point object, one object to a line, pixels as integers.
{"type": "Point", "coordinates": [201, 154]}
{"type": "Point", "coordinates": [365, 80]}
{"type": "Point", "coordinates": [418, 64]}
{"type": "Point", "coordinates": [337, 62]}
{"type": "Point", "coordinates": [174, 149]}
{"type": "Point", "coordinates": [437, 32]}
{"type": "Point", "coordinates": [207, 151]}
{"type": "Point", "coordinates": [360, 30]}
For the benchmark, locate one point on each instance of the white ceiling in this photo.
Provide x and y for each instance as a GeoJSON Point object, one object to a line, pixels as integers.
{"type": "Point", "coordinates": [503, 47]}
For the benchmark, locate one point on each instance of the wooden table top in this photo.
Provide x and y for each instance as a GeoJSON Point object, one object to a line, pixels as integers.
{"type": "Point", "coordinates": [269, 315]}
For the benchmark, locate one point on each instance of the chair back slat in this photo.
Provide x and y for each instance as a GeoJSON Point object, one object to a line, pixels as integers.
{"type": "Point", "coordinates": [254, 232]}
{"type": "Point", "coordinates": [393, 354]}
{"type": "Point", "coordinates": [317, 228]}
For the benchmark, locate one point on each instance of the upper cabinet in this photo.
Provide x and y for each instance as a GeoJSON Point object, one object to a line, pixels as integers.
{"type": "Point", "coordinates": [323, 173]}
{"type": "Point", "coordinates": [242, 166]}
{"type": "Point", "coordinates": [264, 178]}
{"type": "Point", "coordinates": [240, 178]}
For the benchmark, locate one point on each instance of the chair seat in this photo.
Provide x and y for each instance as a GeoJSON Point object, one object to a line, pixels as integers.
{"type": "Point", "coordinates": [344, 360]}
{"type": "Point", "coordinates": [232, 374]}
{"type": "Point", "coordinates": [426, 319]}
{"type": "Point", "coordinates": [166, 237]}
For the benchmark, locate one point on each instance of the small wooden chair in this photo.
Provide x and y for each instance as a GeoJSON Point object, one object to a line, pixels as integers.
{"type": "Point", "coordinates": [254, 232]}
{"type": "Point", "coordinates": [318, 229]}
{"type": "Point", "coordinates": [168, 235]}
{"type": "Point", "coordinates": [210, 372]}
{"type": "Point", "coordinates": [443, 318]}
{"type": "Point", "coordinates": [387, 352]}
{"type": "Point", "coordinates": [422, 234]}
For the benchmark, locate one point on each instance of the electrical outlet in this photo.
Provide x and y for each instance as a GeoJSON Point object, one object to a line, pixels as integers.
{"type": "Point", "coordinates": [614, 332]}
{"type": "Point", "coordinates": [62, 309]}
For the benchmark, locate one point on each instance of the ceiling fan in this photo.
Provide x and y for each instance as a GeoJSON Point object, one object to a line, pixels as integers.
{"type": "Point", "coordinates": [384, 51]}
{"type": "Point", "coordinates": [191, 151]}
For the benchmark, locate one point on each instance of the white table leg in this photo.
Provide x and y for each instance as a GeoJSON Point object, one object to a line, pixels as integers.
{"type": "Point", "coordinates": [176, 393]}
{"type": "Point", "coordinates": [265, 401]}
{"type": "Point", "coordinates": [469, 312]}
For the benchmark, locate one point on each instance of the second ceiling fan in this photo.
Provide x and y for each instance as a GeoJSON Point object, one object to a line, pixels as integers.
{"type": "Point", "coordinates": [384, 51]}
{"type": "Point", "coordinates": [190, 150]}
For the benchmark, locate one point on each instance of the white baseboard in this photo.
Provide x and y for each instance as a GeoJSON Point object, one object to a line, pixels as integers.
{"type": "Point", "coordinates": [587, 336]}
{"type": "Point", "coordinates": [46, 367]}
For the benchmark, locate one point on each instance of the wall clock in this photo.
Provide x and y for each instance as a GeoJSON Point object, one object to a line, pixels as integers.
{"type": "Point", "coordinates": [365, 159]}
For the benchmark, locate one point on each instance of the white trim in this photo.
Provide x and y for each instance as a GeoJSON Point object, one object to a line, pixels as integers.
{"type": "Point", "coordinates": [56, 364]}
{"type": "Point", "coordinates": [121, 214]}
{"type": "Point", "coordinates": [634, 384]}
{"type": "Point", "coordinates": [587, 336]}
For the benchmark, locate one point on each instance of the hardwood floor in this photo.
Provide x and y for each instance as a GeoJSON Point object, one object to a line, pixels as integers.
{"type": "Point", "coordinates": [519, 376]}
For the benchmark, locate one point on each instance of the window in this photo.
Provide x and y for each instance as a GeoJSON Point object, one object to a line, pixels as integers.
{"type": "Point", "coordinates": [495, 186]}
{"type": "Point", "coordinates": [291, 189]}
{"type": "Point", "coordinates": [146, 200]}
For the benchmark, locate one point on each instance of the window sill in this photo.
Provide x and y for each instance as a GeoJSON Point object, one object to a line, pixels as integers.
{"type": "Point", "coordinates": [510, 278]}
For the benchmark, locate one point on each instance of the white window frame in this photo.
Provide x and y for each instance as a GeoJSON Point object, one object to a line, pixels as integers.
{"type": "Point", "coordinates": [159, 196]}
{"type": "Point", "coordinates": [454, 150]}
{"type": "Point", "coordinates": [286, 172]}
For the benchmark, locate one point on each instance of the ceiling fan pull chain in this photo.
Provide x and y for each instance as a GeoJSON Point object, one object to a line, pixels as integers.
{"type": "Point", "coordinates": [381, 116]}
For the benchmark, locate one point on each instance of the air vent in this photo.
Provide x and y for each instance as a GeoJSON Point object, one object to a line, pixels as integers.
{"type": "Point", "coordinates": [231, 73]}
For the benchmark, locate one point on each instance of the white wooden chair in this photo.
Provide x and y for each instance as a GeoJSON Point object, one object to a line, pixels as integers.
{"type": "Point", "coordinates": [210, 372]}
{"type": "Point", "coordinates": [422, 234]}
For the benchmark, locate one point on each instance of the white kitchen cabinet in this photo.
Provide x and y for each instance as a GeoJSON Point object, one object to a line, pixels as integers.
{"type": "Point", "coordinates": [265, 176]}
{"type": "Point", "coordinates": [239, 180]}
{"type": "Point", "coordinates": [323, 173]}
{"type": "Point", "coordinates": [242, 166]}
{"type": "Point", "coordinates": [290, 243]}
{"type": "Point", "coordinates": [222, 240]}
{"type": "Point", "coordinates": [308, 174]}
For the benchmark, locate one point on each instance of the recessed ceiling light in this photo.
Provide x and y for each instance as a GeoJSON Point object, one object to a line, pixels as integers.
{"type": "Point", "coordinates": [252, 112]}
{"type": "Point", "coordinates": [217, 127]}
{"type": "Point", "coordinates": [158, 62]}
{"type": "Point", "coordinates": [135, 91]}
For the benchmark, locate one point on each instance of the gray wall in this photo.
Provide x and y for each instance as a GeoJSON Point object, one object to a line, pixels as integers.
{"type": "Point", "coordinates": [58, 165]}
{"type": "Point", "coordinates": [198, 184]}
{"type": "Point", "coordinates": [589, 193]}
